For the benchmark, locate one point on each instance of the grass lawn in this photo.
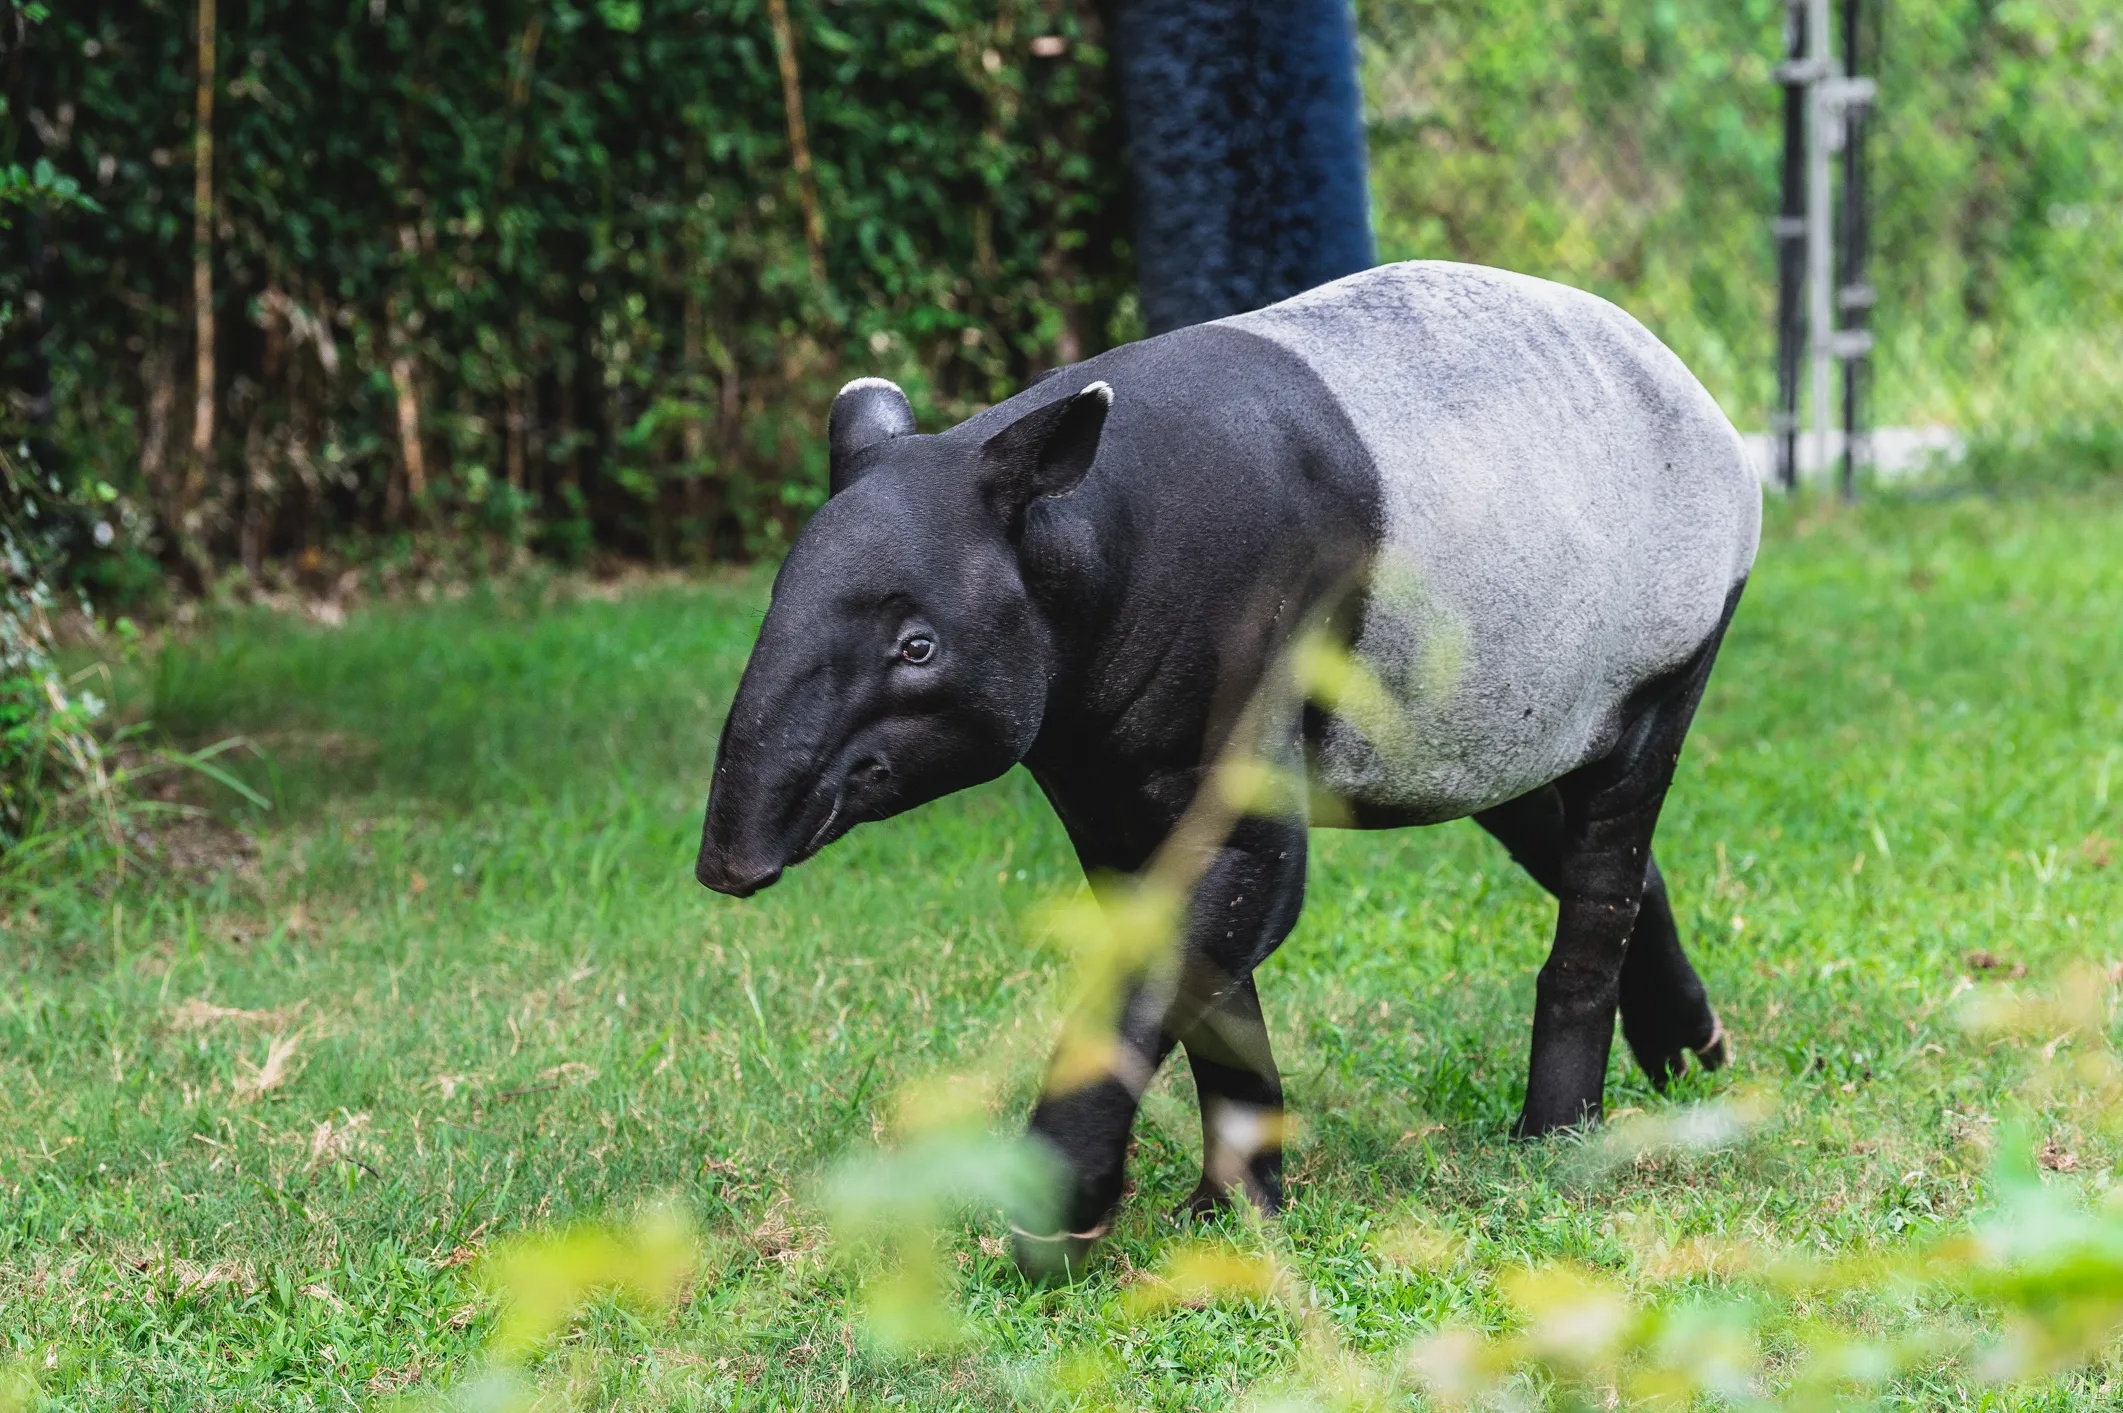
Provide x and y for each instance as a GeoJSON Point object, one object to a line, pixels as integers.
{"type": "Point", "coordinates": [259, 1110]}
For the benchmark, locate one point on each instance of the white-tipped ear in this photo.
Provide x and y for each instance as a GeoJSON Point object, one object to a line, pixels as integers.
{"type": "Point", "coordinates": [866, 414]}
{"type": "Point", "coordinates": [1046, 452]}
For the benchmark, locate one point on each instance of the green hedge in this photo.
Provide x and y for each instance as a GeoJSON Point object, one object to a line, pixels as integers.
{"type": "Point", "coordinates": [47, 751]}
{"type": "Point", "coordinates": [539, 271]}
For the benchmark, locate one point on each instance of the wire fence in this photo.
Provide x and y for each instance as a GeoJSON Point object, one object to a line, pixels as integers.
{"type": "Point", "coordinates": [1657, 157]}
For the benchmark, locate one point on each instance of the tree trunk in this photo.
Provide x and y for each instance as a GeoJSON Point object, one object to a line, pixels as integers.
{"type": "Point", "coordinates": [695, 431]}
{"type": "Point", "coordinates": [409, 452]}
{"type": "Point", "coordinates": [158, 372]}
{"type": "Point", "coordinates": [406, 387]}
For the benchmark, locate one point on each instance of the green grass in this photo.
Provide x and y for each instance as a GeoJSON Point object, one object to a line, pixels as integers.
{"type": "Point", "coordinates": [472, 907]}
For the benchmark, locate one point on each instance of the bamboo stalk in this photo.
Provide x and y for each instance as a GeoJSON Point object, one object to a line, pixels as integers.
{"type": "Point", "coordinates": [526, 54]}
{"type": "Point", "coordinates": [403, 384]}
{"type": "Point", "coordinates": [159, 376]}
{"type": "Point", "coordinates": [518, 416]}
{"type": "Point", "coordinates": [814, 223]}
{"type": "Point", "coordinates": [519, 94]}
{"type": "Point", "coordinates": [416, 468]}
{"type": "Point", "coordinates": [203, 250]}
{"type": "Point", "coordinates": [260, 446]}
{"type": "Point", "coordinates": [694, 432]}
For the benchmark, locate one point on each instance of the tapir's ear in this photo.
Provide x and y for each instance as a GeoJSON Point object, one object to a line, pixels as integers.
{"type": "Point", "coordinates": [867, 413]}
{"type": "Point", "coordinates": [1044, 453]}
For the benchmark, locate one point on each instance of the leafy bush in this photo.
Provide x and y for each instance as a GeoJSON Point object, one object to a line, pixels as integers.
{"type": "Point", "coordinates": [552, 272]}
{"type": "Point", "coordinates": [46, 747]}
{"type": "Point", "coordinates": [45, 741]}
{"type": "Point", "coordinates": [2072, 456]}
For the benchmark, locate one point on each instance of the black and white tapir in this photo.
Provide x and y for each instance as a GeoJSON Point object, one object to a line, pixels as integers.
{"type": "Point", "coordinates": [1518, 510]}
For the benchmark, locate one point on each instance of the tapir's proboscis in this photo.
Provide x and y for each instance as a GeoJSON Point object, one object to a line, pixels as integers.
{"type": "Point", "coordinates": [1523, 519]}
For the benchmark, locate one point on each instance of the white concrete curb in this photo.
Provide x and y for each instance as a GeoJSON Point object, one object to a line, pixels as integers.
{"type": "Point", "coordinates": [1897, 452]}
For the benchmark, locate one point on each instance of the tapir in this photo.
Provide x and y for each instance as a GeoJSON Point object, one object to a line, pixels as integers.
{"type": "Point", "coordinates": [1521, 516]}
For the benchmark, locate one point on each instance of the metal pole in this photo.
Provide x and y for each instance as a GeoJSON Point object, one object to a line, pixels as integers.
{"type": "Point", "coordinates": [1790, 231]}
{"type": "Point", "coordinates": [1854, 299]}
{"type": "Point", "coordinates": [1820, 252]}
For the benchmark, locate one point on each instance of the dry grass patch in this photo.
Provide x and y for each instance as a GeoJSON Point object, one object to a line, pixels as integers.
{"type": "Point", "coordinates": [198, 1013]}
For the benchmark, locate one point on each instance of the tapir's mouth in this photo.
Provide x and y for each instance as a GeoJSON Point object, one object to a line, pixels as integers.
{"type": "Point", "coordinates": [716, 874]}
{"type": "Point", "coordinates": [823, 835]}
{"type": "Point", "coordinates": [853, 801]}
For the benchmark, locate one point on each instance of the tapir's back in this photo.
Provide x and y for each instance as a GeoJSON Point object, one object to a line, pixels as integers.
{"type": "Point", "coordinates": [1565, 516]}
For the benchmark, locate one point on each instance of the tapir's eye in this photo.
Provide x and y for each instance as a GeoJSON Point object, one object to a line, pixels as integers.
{"type": "Point", "coordinates": [917, 649]}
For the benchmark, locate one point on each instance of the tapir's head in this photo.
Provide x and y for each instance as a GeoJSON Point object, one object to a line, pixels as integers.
{"type": "Point", "coordinates": [901, 658]}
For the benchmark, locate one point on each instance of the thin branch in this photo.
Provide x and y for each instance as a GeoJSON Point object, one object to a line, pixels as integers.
{"type": "Point", "coordinates": [814, 224]}
{"type": "Point", "coordinates": [203, 248]}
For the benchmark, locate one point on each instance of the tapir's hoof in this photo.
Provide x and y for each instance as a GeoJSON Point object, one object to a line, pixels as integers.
{"type": "Point", "coordinates": [1207, 1200]}
{"type": "Point", "coordinates": [1210, 1199]}
{"type": "Point", "coordinates": [1664, 1066]}
{"type": "Point", "coordinates": [1716, 1052]}
{"type": "Point", "coordinates": [1057, 1258]}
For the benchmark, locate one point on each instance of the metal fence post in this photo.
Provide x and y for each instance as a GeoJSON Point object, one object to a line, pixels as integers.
{"type": "Point", "coordinates": [1795, 74]}
{"type": "Point", "coordinates": [1825, 105]}
{"type": "Point", "coordinates": [1853, 97]}
{"type": "Point", "coordinates": [1820, 247]}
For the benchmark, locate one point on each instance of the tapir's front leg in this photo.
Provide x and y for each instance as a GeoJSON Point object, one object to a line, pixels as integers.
{"type": "Point", "coordinates": [1245, 902]}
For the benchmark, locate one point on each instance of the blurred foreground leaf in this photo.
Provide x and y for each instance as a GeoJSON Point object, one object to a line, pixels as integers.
{"type": "Point", "coordinates": [542, 1280]}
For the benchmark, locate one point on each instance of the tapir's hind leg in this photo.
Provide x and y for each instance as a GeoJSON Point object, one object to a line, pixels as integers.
{"type": "Point", "coordinates": [1242, 1104]}
{"type": "Point", "coordinates": [1666, 1016]}
{"type": "Point", "coordinates": [1610, 809]}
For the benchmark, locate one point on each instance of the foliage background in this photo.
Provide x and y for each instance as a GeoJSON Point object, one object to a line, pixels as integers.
{"type": "Point", "coordinates": [573, 235]}
{"type": "Point", "coordinates": [569, 240]}
{"type": "Point", "coordinates": [1633, 149]}
{"type": "Point", "coordinates": [47, 751]}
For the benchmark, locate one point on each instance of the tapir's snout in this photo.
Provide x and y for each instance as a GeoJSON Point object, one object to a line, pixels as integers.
{"type": "Point", "coordinates": [720, 872]}
{"type": "Point", "coordinates": [752, 834]}
{"type": "Point", "coordinates": [739, 854]}
{"type": "Point", "coordinates": [772, 789]}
